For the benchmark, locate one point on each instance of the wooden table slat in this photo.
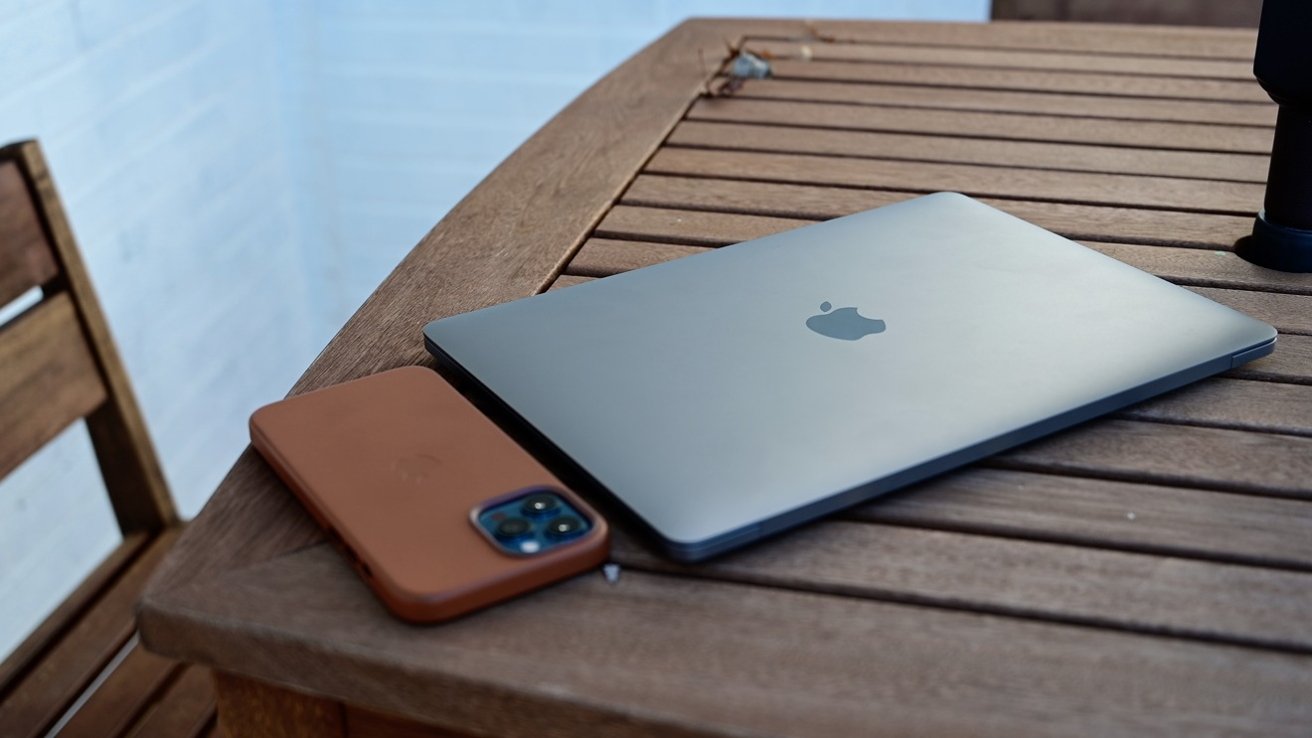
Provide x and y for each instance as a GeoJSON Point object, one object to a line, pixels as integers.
{"type": "Point", "coordinates": [1291, 362]}
{"type": "Point", "coordinates": [1118, 85]}
{"type": "Point", "coordinates": [1201, 268]}
{"type": "Point", "coordinates": [1233, 403]}
{"type": "Point", "coordinates": [674, 656]}
{"type": "Point", "coordinates": [1004, 126]}
{"type": "Point", "coordinates": [1011, 154]}
{"type": "Point", "coordinates": [1289, 313]}
{"type": "Point", "coordinates": [1011, 101]}
{"type": "Point", "coordinates": [938, 56]}
{"type": "Point", "coordinates": [1150, 593]}
{"type": "Point", "coordinates": [1102, 513]}
{"type": "Point", "coordinates": [1209, 458]}
{"type": "Point", "coordinates": [1233, 198]}
{"type": "Point", "coordinates": [810, 202]}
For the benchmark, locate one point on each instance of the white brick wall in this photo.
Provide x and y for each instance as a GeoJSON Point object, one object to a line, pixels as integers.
{"type": "Point", "coordinates": [407, 104]}
{"type": "Point", "coordinates": [242, 173]}
{"type": "Point", "coordinates": [163, 124]}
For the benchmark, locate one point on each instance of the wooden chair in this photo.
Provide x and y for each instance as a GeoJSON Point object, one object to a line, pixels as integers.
{"type": "Point", "coordinates": [82, 672]}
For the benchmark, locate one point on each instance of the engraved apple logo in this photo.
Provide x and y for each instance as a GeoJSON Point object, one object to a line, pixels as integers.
{"type": "Point", "coordinates": [844, 323]}
{"type": "Point", "coordinates": [417, 468]}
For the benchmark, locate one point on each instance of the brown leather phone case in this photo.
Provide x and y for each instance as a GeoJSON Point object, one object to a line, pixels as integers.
{"type": "Point", "coordinates": [393, 466]}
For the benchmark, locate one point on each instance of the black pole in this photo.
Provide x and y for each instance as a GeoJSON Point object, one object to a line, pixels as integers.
{"type": "Point", "coordinates": [1282, 233]}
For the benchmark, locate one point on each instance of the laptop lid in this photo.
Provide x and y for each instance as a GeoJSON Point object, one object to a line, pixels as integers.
{"type": "Point", "coordinates": [727, 395]}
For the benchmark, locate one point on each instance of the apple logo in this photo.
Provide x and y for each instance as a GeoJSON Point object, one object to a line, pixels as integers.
{"type": "Point", "coordinates": [417, 468]}
{"type": "Point", "coordinates": [844, 323]}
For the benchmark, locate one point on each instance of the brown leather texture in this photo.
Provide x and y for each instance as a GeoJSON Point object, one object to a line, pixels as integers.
{"type": "Point", "coordinates": [392, 466]}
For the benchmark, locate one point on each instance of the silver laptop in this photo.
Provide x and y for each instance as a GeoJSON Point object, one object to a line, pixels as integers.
{"type": "Point", "coordinates": [729, 395]}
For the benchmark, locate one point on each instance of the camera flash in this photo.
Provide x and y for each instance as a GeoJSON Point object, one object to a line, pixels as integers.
{"type": "Point", "coordinates": [529, 547]}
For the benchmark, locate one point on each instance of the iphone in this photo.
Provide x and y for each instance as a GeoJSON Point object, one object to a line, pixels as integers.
{"type": "Point", "coordinates": [438, 510]}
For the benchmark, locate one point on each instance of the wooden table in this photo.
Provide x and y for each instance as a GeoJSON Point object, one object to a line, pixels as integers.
{"type": "Point", "coordinates": [1149, 573]}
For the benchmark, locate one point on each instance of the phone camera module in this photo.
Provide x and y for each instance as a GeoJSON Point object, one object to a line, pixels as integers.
{"type": "Point", "coordinates": [532, 523]}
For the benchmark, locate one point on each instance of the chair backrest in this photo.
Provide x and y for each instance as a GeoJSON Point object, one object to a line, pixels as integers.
{"type": "Point", "coordinates": [58, 363]}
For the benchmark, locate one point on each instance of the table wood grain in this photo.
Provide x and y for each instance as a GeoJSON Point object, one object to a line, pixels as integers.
{"type": "Point", "coordinates": [1145, 573]}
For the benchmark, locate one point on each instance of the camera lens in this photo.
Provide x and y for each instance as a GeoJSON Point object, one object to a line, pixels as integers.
{"type": "Point", "coordinates": [512, 528]}
{"type": "Point", "coordinates": [564, 527]}
{"type": "Point", "coordinates": [538, 505]}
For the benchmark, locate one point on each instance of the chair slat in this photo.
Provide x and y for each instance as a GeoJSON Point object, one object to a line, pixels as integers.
{"type": "Point", "coordinates": [25, 258]}
{"type": "Point", "coordinates": [186, 710]}
{"type": "Point", "coordinates": [126, 692]}
{"type": "Point", "coordinates": [69, 611]}
{"type": "Point", "coordinates": [49, 379]}
{"type": "Point", "coordinates": [38, 700]}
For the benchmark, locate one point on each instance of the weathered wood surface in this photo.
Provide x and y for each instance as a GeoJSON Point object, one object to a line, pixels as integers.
{"type": "Point", "coordinates": [1125, 224]}
{"type": "Point", "coordinates": [1009, 101]}
{"type": "Point", "coordinates": [249, 709]}
{"type": "Point", "coordinates": [758, 136]}
{"type": "Point", "coordinates": [1191, 88]}
{"type": "Point", "coordinates": [185, 709]}
{"type": "Point", "coordinates": [49, 379]}
{"type": "Point", "coordinates": [1010, 126]}
{"type": "Point", "coordinates": [940, 56]}
{"type": "Point", "coordinates": [1140, 574]}
{"type": "Point", "coordinates": [25, 260]}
